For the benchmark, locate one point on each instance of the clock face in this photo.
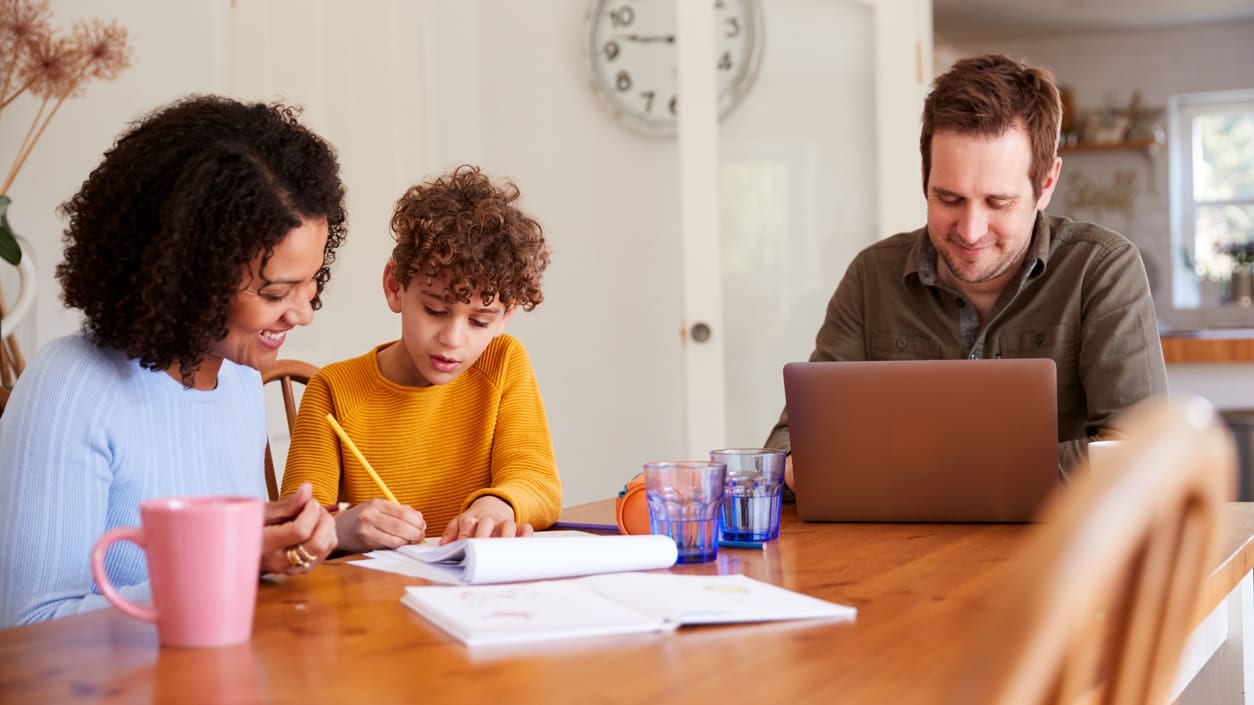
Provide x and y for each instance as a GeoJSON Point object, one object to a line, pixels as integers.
{"type": "Point", "coordinates": [632, 53]}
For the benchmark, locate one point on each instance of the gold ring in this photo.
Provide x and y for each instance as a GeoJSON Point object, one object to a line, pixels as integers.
{"type": "Point", "coordinates": [295, 559]}
{"type": "Point", "coordinates": [304, 553]}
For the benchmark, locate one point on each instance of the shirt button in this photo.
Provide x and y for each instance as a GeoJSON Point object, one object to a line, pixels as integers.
{"type": "Point", "coordinates": [902, 344]}
{"type": "Point", "coordinates": [1039, 339]}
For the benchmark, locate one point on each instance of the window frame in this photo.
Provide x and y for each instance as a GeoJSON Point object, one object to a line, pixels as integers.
{"type": "Point", "coordinates": [1185, 286]}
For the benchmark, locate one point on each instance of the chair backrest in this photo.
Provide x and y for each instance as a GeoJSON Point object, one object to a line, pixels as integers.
{"type": "Point", "coordinates": [285, 372]}
{"type": "Point", "coordinates": [1098, 605]}
{"type": "Point", "coordinates": [4, 398]}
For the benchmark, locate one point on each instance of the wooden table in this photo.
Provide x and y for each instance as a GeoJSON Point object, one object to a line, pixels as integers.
{"type": "Point", "coordinates": [341, 635]}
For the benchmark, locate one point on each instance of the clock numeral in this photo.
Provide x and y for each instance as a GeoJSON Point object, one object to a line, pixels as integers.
{"type": "Point", "coordinates": [611, 50]}
{"type": "Point", "coordinates": [733, 26]}
{"type": "Point", "coordinates": [623, 81]}
{"type": "Point", "coordinates": [623, 16]}
{"type": "Point", "coordinates": [648, 101]}
{"type": "Point", "coordinates": [725, 61]}
{"type": "Point", "coordinates": [673, 106]}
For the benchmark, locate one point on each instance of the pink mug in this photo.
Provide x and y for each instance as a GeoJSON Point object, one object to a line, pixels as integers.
{"type": "Point", "coordinates": [203, 566]}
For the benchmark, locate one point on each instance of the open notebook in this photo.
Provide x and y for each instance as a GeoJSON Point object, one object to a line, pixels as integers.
{"type": "Point", "coordinates": [601, 605]}
{"type": "Point", "coordinates": [547, 555]}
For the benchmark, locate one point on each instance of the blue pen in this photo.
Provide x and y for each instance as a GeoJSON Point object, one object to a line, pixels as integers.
{"type": "Point", "coordinates": [755, 545]}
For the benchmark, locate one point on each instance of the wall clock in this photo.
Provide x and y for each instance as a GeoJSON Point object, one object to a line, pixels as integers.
{"type": "Point", "coordinates": [632, 47]}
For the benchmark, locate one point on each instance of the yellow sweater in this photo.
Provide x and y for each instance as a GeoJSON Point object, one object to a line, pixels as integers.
{"type": "Point", "coordinates": [438, 448]}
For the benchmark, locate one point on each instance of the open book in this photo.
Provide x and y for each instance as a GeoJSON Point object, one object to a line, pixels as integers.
{"type": "Point", "coordinates": [540, 557]}
{"type": "Point", "coordinates": [598, 605]}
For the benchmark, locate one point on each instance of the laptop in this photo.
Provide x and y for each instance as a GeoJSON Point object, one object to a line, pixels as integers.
{"type": "Point", "coordinates": [923, 440]}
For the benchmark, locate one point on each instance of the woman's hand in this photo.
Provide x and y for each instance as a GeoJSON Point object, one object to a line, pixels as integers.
{"type": "Point", "coordinates": [378, 523]}
{"type": "Point", "coordinates": [486, 517]}
{"type": "Point", "coordinates": [298, 534]}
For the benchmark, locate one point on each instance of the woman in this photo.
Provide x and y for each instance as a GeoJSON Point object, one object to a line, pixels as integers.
{"type": "Point", "coordinates": [202, 238]}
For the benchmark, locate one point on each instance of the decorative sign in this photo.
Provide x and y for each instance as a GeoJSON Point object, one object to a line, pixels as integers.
{"type": "Point", "coordinates": [1117, 196]}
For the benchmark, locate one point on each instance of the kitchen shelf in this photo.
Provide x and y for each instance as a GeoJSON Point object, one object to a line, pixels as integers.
{"type": "Point", "coordinates": [1147, 145]}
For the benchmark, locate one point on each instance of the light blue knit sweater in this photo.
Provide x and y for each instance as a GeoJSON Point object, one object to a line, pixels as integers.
{"type": "Point", "coordinates": [87, 436]}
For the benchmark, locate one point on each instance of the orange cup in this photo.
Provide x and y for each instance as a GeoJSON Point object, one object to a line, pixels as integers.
{"type": "Point", "coordinates": [631, 509]}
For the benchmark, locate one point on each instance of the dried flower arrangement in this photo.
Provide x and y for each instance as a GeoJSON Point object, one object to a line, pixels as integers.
{"type": "Point", "coordinates": [51, 67]}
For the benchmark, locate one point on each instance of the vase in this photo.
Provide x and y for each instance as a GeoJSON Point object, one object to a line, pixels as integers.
{"type": "Point", "coordinates": [25, 290]}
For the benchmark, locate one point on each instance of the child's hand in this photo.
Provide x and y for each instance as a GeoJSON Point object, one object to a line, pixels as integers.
{"type": "Point", "coordinates": [486, 517]}
{"type": "Point", "coordinates": [378, 523]}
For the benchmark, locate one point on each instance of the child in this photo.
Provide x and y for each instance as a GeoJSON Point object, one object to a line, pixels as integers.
{"type": "Point", "coordinates": [449, 415]}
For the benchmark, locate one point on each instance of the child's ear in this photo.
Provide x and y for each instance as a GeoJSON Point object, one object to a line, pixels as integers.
{"type": "Point", "coordinates": [509, 313]}
{"type": "Point", "coordinates": [393, 289]}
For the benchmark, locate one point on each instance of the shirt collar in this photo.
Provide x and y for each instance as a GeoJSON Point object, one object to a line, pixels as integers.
{"type": "Point", "coordinates": [1038, 251]}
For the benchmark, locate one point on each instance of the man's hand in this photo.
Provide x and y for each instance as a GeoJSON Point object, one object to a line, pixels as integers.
{"type": "Point", "coordinates": [788, 471]}
{"type": "Point", "coordinates": [378, 523]}
{"type": "Point", "coordinates": [486, 517]}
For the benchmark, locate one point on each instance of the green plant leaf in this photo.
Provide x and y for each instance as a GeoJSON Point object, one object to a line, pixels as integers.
{"type": "Point", "coordinates": [9, 251]}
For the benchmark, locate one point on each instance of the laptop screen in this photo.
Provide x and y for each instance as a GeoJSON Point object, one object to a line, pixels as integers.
{"type": "Point", "coordinates": [923, 440]}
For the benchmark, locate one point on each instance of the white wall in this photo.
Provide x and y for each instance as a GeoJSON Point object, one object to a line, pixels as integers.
{"type": "Point", "coordinates": [518, 100]}
{"type": "Point", "coordinates": [520, 104]}
{"type": "Point", "coordinates": [164, 65]}
{"type": "Point", "coordinates": [1105, 68]}
{"type": "Point", "coordinates": [509, 93]}
{"type": "Point", "coordinates": [406, 90]}
{"type": "Point", "coordinates": [358, 72]}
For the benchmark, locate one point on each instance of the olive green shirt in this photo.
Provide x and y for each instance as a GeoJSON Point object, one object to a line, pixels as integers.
{"type": "Point", "coordinates": [1081, 299]}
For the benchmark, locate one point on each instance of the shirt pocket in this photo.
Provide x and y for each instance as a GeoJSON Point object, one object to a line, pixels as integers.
{"type": "Point", "coordinates": [1059, 344]}
{"type": "Point", "coordinates": [1054, 342]}
{"type": "Point", "coordinates": [893, 346]}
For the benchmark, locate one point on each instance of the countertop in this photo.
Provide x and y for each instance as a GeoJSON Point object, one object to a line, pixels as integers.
{"type": "Point", "coordinates": [1214, 345]}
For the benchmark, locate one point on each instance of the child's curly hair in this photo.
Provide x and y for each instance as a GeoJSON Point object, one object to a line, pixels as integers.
{"type": "Point", "coordinates": [463, 227]}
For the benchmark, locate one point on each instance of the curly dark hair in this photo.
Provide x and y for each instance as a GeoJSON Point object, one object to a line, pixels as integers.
{"type": "Point", "coordinates": [988, 95]}
{"type": "Point", "coordinates": [464, 227]}
{"type": "Point", "coordinates": [187, 197]}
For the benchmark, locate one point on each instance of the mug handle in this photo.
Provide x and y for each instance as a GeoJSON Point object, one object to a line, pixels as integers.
{"type": "Point", "coordinates": [135, 536]}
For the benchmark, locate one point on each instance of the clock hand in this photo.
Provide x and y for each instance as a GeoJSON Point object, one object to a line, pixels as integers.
{"type": "Point", "coordinates": [647, 38]}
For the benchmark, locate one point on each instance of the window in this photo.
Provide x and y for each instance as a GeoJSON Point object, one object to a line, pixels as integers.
{"type": "Point", "coordinates": [1212, 208]}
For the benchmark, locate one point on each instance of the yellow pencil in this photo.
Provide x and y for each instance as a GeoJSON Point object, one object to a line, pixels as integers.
{"type": "Point", "coordinates": [339, 430]}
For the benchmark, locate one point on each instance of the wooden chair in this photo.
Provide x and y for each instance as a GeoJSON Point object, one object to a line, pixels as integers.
{"type": "Point", "coordinates": [285, 372]}
{"type": "Point", "coordinates": [1098, 606]}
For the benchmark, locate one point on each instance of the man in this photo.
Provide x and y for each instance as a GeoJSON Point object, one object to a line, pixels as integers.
{"type": "Point", "coordinates": [991, 275]}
